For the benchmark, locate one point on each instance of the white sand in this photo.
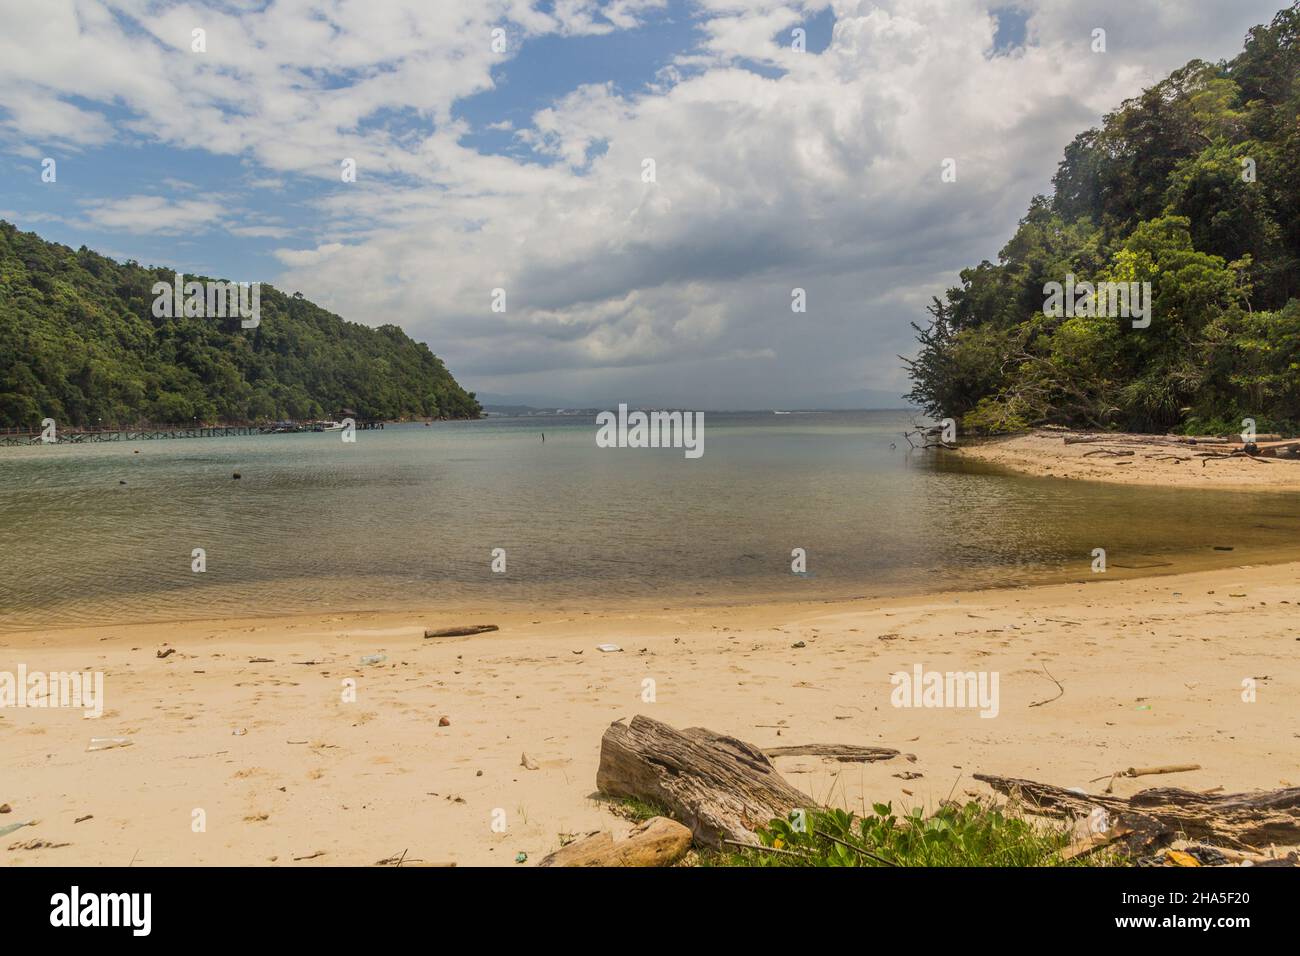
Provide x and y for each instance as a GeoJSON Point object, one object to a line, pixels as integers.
{"type": "Point", "coordinates": [1152, 671]}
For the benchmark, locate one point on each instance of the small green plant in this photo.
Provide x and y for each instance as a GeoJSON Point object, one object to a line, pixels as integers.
{"type": "Point", "coordinates": [974, 834]}
{"type": "Point", "coordinates": [637, 810]}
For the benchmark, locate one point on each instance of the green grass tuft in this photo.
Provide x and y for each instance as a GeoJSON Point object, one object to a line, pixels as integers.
{"type": "Point", "coordinates": [974, 834]}
{"type": "Point", "coordinates": [637, 810]}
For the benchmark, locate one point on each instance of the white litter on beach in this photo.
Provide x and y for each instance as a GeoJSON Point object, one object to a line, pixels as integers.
{"type": "Point", "coordinates": [107, 743]}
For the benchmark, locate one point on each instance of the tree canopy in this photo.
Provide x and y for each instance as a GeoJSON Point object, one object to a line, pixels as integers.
{"type": "Point", "coordinates": [79, 343]}
{"type": "Point", "coordinates": [1194, 187]}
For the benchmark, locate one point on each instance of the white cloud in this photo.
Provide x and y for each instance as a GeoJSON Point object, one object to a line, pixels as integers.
{"type": "Point", "coordinates": [152, 214]}
{"type": "Point", "coordinates": [826, 178]}
{"type": "Point", "coordinates": [260, 232]}
{"type": "Point", "coordinates": [39, 117]}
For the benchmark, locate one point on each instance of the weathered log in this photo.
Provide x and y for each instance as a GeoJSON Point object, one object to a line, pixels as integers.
{"type": "Point", "coordinates": [1123, 439]}
{"type": "Point", "coordinates": [1141, 831]}
{"type": "Point", "coordinates": [1236, 819]}
{"type": "Point", "coordinates": [1246, 819]}
{"type": "Point", "coordinates": [720, 787]}
{"type": "Point", "coordinates": [656, 842]}
{"type": "Point", "coordinates": [1277, 449]}
{"type": "Point", "coordinates": [465, 631]}
{"type": "Point", "coordinates": [844, 753]}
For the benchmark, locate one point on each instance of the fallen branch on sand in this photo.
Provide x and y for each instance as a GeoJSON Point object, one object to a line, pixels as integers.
{"type": "Point", "coordinates": [1209, 456]}
{"type": "Point", "coordinates": [1148, 771]}
{"type": "Point", "coordinates": [1040, 703]}
{"type": "Point", "coordinates": [466, 631]}
{"type": "Point", "coordinates": [1154, 816]}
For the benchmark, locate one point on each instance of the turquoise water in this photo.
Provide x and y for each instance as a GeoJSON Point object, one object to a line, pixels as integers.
{"type": "Point", "coordinates": [411, 515]}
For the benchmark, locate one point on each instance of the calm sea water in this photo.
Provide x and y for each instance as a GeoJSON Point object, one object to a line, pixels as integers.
{"type": "Point", "coordinates": [410, 516]}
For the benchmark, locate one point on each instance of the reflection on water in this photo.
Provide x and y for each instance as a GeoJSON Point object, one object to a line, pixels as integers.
{"type": "Point", "coordinates": [410, 515]}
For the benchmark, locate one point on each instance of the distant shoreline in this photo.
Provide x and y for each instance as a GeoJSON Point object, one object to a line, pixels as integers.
{"type": "Point", "coordinates": [93, 434]}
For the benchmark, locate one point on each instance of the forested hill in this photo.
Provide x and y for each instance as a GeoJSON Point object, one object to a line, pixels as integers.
{"type": "Point", "coordinates": [79, 343]}
{"type": "Point", "coordinates": [1194, 187]}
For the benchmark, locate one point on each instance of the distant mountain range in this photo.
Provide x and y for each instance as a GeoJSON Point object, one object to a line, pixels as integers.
{"type": "Point", "coordinates": [861, 399]}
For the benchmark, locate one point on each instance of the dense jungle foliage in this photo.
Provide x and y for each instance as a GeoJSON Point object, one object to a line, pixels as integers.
{"type": "Point", "coordinates": [79, 343]}
{"type": "Point", "coordinates": [1194, 187]}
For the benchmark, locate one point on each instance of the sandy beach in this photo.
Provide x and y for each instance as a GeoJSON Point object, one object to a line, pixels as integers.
{"type": "Point", "coordinates": [246, 721]}
{"type": "Point", "coordinates": [1045, 454]}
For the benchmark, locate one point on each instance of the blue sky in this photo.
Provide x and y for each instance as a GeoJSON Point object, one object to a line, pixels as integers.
{"type": "Point", "coordinates": [544, 70]}
{"type": "Point", "coordinates": [776, 168]}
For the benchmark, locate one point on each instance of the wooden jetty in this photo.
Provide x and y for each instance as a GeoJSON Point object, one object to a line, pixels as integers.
{"type": "Point", "coordinates": [80, 435]}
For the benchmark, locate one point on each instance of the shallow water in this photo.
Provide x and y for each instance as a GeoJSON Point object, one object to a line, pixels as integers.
{"type": "Point", "coordinates": [411, 515]}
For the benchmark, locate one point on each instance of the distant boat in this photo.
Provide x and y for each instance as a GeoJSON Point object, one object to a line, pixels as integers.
{"type": "Point", "coordinates": [331, 426]}
{"type": "Point", "coordinates": [775, 412]}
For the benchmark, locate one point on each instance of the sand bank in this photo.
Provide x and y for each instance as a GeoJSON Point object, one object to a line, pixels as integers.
{"type": "Point", "coordinates": [1045, 454]}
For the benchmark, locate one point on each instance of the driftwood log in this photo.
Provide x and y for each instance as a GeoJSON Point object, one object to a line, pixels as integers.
{"type": "Point", "coordinates": [844, 753]}
{"type": "Point", "coordinates": [656, 842]}
{"type": "Point", "coordinates": [1145, 440]}
{"type": "Point", "coordinates": [720, 787]}
{"type": "Point", "coordinates": [1278, 449]}
{"type": "Point", "coordinates": [1235, 819]}
{"type": "Point", "coordinates": [465, 631]}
